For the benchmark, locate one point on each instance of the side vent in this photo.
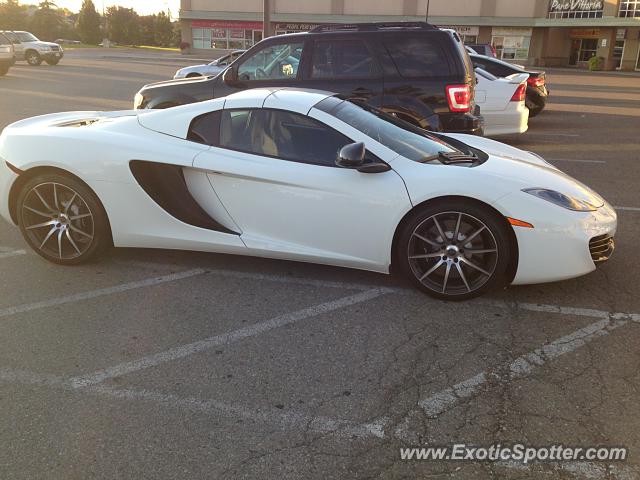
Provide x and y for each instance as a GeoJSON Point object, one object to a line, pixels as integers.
{"type": "Point", "coordinates": [165, 184]}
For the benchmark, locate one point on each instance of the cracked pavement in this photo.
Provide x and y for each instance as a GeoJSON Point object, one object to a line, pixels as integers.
{"type": "Point", "coordinates": [330, 395]}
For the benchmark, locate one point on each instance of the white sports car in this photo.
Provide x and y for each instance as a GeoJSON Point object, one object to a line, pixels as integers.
{"type": "Point", "coordinates": [300, 175]}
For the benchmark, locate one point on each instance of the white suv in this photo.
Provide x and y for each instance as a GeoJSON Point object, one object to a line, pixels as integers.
{"type": "Point", "coordinates": [7, 55]}
{"type": "Point", "coordinates": [29, 48]}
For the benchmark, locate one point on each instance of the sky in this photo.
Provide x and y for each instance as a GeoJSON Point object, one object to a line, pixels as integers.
{"type": "Point", "coordinates": [143, 7]}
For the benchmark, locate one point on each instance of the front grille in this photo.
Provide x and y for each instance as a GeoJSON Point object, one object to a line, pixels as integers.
{"type": "Point", "coordinates": [601, 247]}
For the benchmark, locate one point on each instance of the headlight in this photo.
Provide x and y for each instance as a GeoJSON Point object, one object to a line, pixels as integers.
{"type": "Point", "coordinates": [565, 201]}
{"type": "Point", "coordinates": [45, 49]}
{"type": "Point", "coordinates": [137, 101]}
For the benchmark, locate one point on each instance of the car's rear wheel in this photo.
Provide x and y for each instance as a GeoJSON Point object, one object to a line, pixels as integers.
{"type": "Point", "coordinates": [33, 58]}
{"type": "Point", "coordinates": [62, 219]}
{"type": "Point", "coordinates": [53, 61]}
{"type": "Point", "coordinates": [454, 250]}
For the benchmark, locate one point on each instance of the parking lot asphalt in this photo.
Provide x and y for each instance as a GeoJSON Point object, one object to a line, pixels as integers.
{"type": "Point", "coordinates": [160, 364]}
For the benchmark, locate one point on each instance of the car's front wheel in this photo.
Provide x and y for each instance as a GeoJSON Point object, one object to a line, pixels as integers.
{"type": "Point", "coordinates": [33, 58]}
{"type": "Point", "coordinates": [454, 250]}
{"type": "Point", "coordinates": [61, 219]}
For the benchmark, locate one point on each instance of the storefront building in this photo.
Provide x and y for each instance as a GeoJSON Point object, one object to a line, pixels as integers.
{"type": "Point", "coordinates": [531, 32]}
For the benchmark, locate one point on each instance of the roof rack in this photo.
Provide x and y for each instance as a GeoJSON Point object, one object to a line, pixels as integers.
{"type": "Point", "coordinates": [368, 27]}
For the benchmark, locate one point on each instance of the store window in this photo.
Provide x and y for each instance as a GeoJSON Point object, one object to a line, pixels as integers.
{"type": "Point", "coordinates": [511, 47]}
{"type": "Point", "coordinates": [618, 52]}
{"type": "Point", "coordinates": [630, 8]}
{"type": "Point", "coordinates": [582, 49]}
{"type": "Point", "coordinates": [225, 38]}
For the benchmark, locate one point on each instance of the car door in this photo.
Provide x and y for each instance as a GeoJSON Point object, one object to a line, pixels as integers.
{"type": "Point", "coordinates": [276, 64]}
{"type": "Point", "coordinates": [344, 65]}
{"type": "Point", "coordinates": [275, 173]}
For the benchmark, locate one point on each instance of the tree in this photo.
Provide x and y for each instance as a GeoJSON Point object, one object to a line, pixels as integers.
{"type": "Point", "coordinates": [46, 22]}
{"type": "Point", "coordinates": [13, 16]}
{"type": "Point", "coordinates": [123, 25]}
{"type": "Point", "coordinates": [163, 30]}
{"type": "Point", "coordinates": [89, 23]}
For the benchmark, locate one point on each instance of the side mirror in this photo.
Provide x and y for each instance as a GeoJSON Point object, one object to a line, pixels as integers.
{"type": "Point", "coordinates": [230, 75]}
{"type": "Point", "coordinates": [351, 156]}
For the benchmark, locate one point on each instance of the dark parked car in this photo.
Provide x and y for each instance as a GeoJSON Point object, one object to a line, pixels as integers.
{"type": "Point", "coordinates": [537, 92]}
{"type": "Point", "coordinates": [415, 71]}
{"type": "Point", "coordinates": [484, 49]}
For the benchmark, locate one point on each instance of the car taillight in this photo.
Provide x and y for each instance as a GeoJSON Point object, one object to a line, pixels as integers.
{"type": "Point", "coordinates": [459, 98]}
{"type": "Point", "coordinates": [520, 93]}
{"type": "Point", "coordinates": [536, 82]}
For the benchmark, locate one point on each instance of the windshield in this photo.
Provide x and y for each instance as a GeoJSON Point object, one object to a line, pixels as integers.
{"type": "Point", "coordinates": [24, 37]}
{"type": "Point", "coordinates": [401, 137]}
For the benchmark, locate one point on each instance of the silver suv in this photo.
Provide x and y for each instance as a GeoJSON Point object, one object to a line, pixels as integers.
{"type": "Point", "coordinates": [7, 55]}
{"type": "Point", "coordinates": [34, 51]}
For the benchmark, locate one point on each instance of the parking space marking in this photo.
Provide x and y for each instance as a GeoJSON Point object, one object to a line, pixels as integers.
{"type": "Point", "coordinates": [544, 134]}
{"type": "Point", "coordinates": [183, 351]}
{"type": "Point", "coordinates": [628, 209]}
{"type": "Point", "coordinates": [12, 253]}
{"type": "Point", "coordinates": [575, 160]}
{"type": "Point", "coordinates": [291, 420]}
{"type": "Point", "coordinates": [443, 401]}
{"type": "Point", "coordinates": [149, 282]}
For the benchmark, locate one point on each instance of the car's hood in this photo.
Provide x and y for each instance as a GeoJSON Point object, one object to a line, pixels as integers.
{"type": "Point", "coordinates": [180, 81]}
{"type": "Point", "coordinates": [506, 170]}
{"type": "Point", "coordinates": [492, 147]}
{"type": "Point", "coordinates": [193, 68]}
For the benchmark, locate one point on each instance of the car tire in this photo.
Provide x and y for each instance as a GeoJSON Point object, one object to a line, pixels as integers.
{"type": "Point", "coordinates": [534, 109]}
{"type": "Point", "coordinates": [62, 220]}
{"type": "Point", "coordinates": [53, 62]}
{"type": "Point", "coordinates": [454, 249]}
{"type": "Point", "coordinates": [33, 58]}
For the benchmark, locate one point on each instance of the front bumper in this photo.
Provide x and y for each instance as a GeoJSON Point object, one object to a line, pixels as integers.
{"type": "Point", "coordinates": [54, 55]}
{"type": "Point", "coordinates": [563, 249]}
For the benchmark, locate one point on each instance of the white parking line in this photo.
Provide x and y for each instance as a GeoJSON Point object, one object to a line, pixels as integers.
{"type": "Point", "coordinates": [223, 339]}
{"type": "Point", "coordinates": [5, 312]}
{"type": "Point", "coordinates": [522, 366]}
{"type": "Point", "coordinates": [12, 253]}
{"type": "Point", "coordinates": [574, 160]}
{"type": "Point", "coordinates": [543, 134]}
{"type": "Point", "coordinates": [291, 420]}
{"type": "Point", "coordinates": [628, 209]}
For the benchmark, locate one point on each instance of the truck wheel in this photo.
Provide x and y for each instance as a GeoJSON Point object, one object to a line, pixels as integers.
{"type": "Point", "coordinates": [33, 58]}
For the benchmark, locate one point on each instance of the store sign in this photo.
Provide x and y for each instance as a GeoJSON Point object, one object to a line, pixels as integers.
{"type": "Point", "coordinates": [584, 33]}
{"type": "Point", "coordinates": [511, 32]}
{"type": "Point", "coordinates": [226, 24]}
{"type": "Point", "coordinates": [296, 27]}
{"type": "Point", "coordinates": [462, 29]}
{"type": "Point", "coordinates": [574, 6]}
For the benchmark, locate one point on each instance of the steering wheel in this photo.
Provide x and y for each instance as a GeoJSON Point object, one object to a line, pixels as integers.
{"type": "Point", "coordinates": [260, 73]}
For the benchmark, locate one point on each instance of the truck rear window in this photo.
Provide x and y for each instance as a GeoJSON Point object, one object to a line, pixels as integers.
{"type": "Point", "coordinates": [417, 56]}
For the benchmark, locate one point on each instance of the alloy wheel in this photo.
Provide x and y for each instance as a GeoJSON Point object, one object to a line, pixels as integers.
{"type": "Point", "coordinates": [58, 221]}
{"type": "Point", "coordinates": [453, 253]}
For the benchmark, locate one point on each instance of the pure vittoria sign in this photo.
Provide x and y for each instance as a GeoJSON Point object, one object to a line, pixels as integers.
{"type": "Point", "coordinates": [575, 5]}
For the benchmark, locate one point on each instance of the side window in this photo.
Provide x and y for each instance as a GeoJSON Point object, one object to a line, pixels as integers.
{"type": "Point", "coordinates": [417, 56]}
{"type": "Point", "coordinates": [205, 129]}
{"type": "Point", "coordinates": [342, 59]}
{"type": "Point", "coordinates": [280, 134]}
{"type": "Point", "coordinates": [273, 62]}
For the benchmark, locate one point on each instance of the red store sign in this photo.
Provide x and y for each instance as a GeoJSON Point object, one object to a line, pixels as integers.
{"type": "Point", "coordinates": [226, 24]}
